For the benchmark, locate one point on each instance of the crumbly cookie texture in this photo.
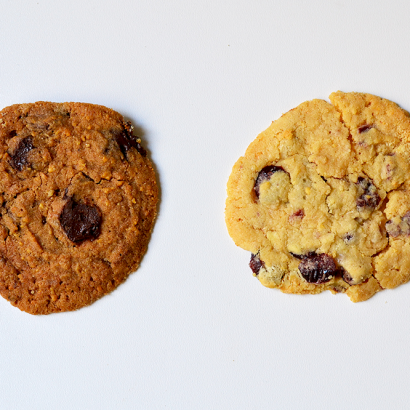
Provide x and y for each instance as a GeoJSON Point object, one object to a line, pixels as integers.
{"type": "Point", "coordinates": [322, 198]}
{"type": "Point", "coordinates": [78, 200]}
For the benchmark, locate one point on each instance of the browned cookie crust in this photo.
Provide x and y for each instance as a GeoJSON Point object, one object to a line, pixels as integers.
{"type": "Point", "coordinates": [78, 199]}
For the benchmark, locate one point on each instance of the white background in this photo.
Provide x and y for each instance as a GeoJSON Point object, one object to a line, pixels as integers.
{"type": "Point", "coordinates": [192, 329]}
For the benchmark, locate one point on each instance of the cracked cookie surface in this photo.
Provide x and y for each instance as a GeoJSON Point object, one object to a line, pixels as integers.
{"type": "Point", "coordinates": [321, 198]}
{"type": "Point", "coordinates": [78, 202]}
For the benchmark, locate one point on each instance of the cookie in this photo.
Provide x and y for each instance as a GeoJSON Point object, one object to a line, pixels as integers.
{"type": "Point", "coordinates": [321, 199]}
{"type": "Point", "coordinates": [78, 199]}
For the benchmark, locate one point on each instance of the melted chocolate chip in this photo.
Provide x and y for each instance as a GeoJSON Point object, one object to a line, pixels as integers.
{"type": "Point", "coordinates": [126, 140]}
{"type": "Point", "coordinates": [255, 263]}
{"type": "Point", "coordinates": [362, 182]}
{"type": "Point", "coordinates": [19, 159]}
{"type": "Point", "coordinates": [140, 149]}
{"type": "Point", "coordinates": [318, 268]}
{"type": "Point", "coordinates": [308, 255]}
{"type": "Point", "coordinates": [368, 194]}
{"type": "Point", "coordinates": [264, 175]}
{"type": "Point", "coordinates": [364, 128]}
{"type": "Point", "coordinates": [80, 221]}
{"type": "Point", "coordinates": [346, 277]}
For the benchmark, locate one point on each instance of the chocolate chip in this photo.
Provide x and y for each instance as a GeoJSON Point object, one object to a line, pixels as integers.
{"type": "Point", "coordinates": [368, 194]}
{"type": "Point", "coordinates": [264, 175]}
{"type": "Point", "coordinates": [255, 263]}
{"type": "Point", "coordinates": [295, 255]}
{"type": "Point", "coordinates": [19, 159]}
{"type": "Point", "coordinates": [364, 128]}
{"type": "Point", "coordinates": [318, 268]}
{"type": "Point", "coordinates": [126, 140]}
{"type": "Point", "coordinates": [346, 277]}
{"type": "Point", "coordinates": [43, 220]}
{"type": "Point", "coordinates": [140, 149]}
{"type": "Point", "coordinates": [348, 238]}
{"type": "Point", "coordinates": [80, 221]}
{"type": "Point", "coordinates": [308, 255]}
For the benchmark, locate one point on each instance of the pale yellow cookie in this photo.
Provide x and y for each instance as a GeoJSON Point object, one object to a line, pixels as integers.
{"type": "Point", "coordinates": [322, 198]}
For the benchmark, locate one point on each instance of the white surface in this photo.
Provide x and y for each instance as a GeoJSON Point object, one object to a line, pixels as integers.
{"type": "Point", "coordinates": [192, 329]}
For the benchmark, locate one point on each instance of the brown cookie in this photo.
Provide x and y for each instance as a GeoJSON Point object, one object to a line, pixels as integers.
{"type": "Point", "coordinates": [78, 200]}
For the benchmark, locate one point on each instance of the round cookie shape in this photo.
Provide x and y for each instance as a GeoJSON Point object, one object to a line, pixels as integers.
{"type": "Point", "coordinates": [322, 198]}
{"type": "Point", "coordinates": [78, 201]}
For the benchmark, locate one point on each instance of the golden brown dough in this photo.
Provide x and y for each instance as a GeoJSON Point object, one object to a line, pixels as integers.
{"type": "Point", "coordinates": [78, 202]}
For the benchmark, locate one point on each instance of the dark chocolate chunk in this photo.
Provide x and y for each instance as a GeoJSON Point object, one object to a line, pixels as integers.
{"type": "Point", "coordinates": [80, 221]}
{"type": "Point", "coordinates": [18, 160]}
{"type": "Point", "coordinates": [368, 194]}
{"type": "Point", "coordinates": [364, 128]}
{"type": "Point", "coordinates": [126, 140]}
{"type": "Point", "coordinates": [255, 263]}
{"type": "Point", "coordinates": [264, 175]}
{"type": "Point", "coordinates": [318, 268]}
